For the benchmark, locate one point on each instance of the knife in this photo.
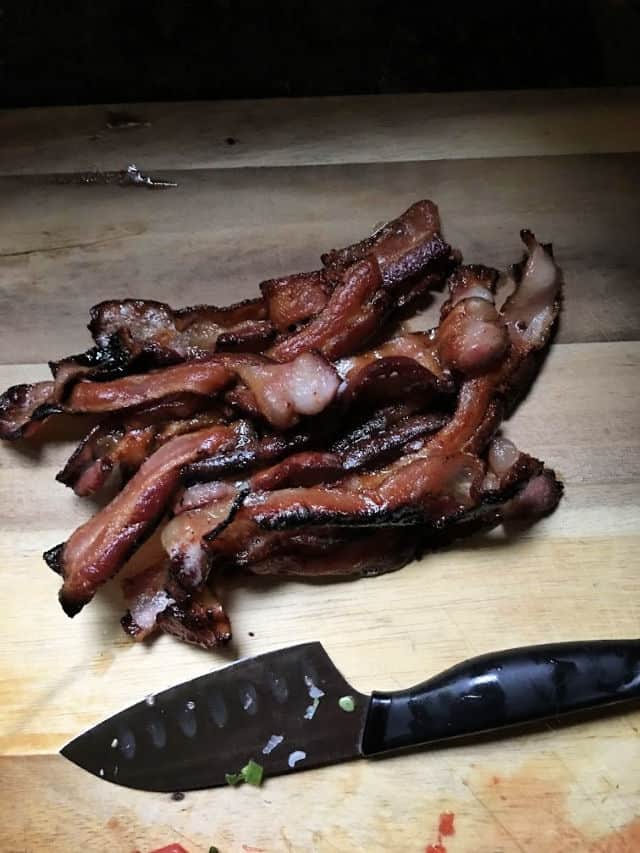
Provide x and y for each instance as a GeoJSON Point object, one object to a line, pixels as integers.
{"type": "Point", "coordinates": [291, 710]}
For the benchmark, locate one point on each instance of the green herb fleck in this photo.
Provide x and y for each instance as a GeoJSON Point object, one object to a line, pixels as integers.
{"type": "Point", "coordinates": [347, 703]}
{"type": "Point", "coordinates": [213, 849]}
{"type": "Point", "coordinates": [251, 773]}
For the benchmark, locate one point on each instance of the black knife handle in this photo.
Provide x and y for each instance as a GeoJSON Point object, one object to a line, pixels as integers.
{"type": "Point", "coordinates": [503, 689]}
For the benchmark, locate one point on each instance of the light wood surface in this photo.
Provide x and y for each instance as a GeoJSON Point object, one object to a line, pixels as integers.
{"type": "Point", "coordinates": [573, 576]}
{"type": "Point", "coordinates": [222, 231]}
{"type": "Point", "coordinates": [309, 131]}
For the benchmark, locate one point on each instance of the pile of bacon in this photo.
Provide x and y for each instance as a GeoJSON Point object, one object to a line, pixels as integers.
{"type": "Point", "coordinates": [303, 432]}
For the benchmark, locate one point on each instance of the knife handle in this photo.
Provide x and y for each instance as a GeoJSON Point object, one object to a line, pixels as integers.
{"type": "Point", "coordinates": [503, 689]}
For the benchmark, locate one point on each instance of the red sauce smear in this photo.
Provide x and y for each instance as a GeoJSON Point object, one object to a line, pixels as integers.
{"type": "Point", "coordinates": [445, 828]}
{"type": "Point", "coordinates": [170, 848]}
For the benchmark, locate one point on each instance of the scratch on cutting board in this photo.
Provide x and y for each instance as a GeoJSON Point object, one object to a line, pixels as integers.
{"type": "Point", "coordinates": [86, 245]}
{"type": "Point", "coordinates": [286, 839]}
{"type": "Point", "coordinates": [494, 817]}
{"type": "Point", "coordinates": [184, 837]}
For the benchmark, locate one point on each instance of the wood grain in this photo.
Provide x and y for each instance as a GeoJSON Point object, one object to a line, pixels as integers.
{"type": "Point", "coordinates": [65, 247]}
{"type": "Point", "coordinates": [570, 790]}
{"type": "Point", "coordinates": [304, 131]}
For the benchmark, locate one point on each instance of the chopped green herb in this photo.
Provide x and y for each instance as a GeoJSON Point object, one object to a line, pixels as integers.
{"type": "Point", "coordinates": [251, 773]}
{"type": "Point", "coordinates": [213, 849]}
{"type": "Point", "coordinates": [347, 703]}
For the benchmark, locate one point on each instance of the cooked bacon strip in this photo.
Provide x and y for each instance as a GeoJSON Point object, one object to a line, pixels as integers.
{"type": "Point", "coordinates": [311, 550]}
{"type": "Point", "coordinates": [120, 450]}
{"type": "Point", "coordinates": [383, 446]}
{"type": "Point", "coordinates": [217, 499]}
{"type": "Point", "coordinates": [375, 423]}
{"type": "Point", "coordinates": [300, 469]}
{"type": "Point", "coordinates": [123, 443]}
{"type": "Point", "coordinates": [199, 620]}
{"type": "Point", "coordinates": [539, 497]}
{"type": "Point", "coordinates": [296, 298]}
{"type": "Point", "coordinates": [353, 314]}
{"type": "Point", "coordinates": [472, 337]}
{"type": "Point", "coordinates": [99, 548]}
{"type": "Point", "coordinates": [132, 330]}
{"type": "Point", "coordinates": [387, 380]}
{"type": "Point", "coordinates": [106, 362]}
{"type": "Point", "coordinates": [405, 248]}
{"type": "Point", "coordinates": [182, 536]}
{"type": "Point", "coordinates": [476, 418]}
{"type": "Point", "coordinates": [304, 386]}
{"type": "Point", "coordinates": [18, 407]}
{"type": "Point", "coordinates": [248, 454]}
{"type": "Point", "coordinates": [146, 595]}
{"type": "Point", "coordinates": [366, 553]}
{"type": "Point", "coordinates": [479, 403]}
{"type": "Point", "coordinates": [205, 378]}
{"type": "Point", "coordinates": [243, 401]}
{"type": "Point", "coordinates": [374, 380]}
{"type": "Point", "coordinates": [261, 399]}
{"type": "Point", "coordinates": [411, 490]}
{"type": "Point", "coordinates": [128, 331]}
{"type": "Point", "coordinates": [283, 392]}
{"type": "Point", "coordinates": [376, 441]}
{"type": "Point", "coordinates": [164, 335]}
{"type": "Point", "coordinates": [206, 509]}
{"type": "Point", "coordinates": [199, 495]}
{"type": "Point", "coordinates": [23, 408]}
{"type": "Point", "coordinates": [420, 347]}
{"type": "Point", "coordinates": [508, 468]}
{"type": "Point", "coordinates": [530, 312]}
{"type": "Point", "coordinates": [373, 552]}
{"type": "Point", "coordinates": [417, 490]}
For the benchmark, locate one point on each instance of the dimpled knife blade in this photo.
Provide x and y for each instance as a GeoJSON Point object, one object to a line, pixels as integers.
{"type": "Point", "coordinates": [292, 710]}
{"type": "Point", "coordinates": [281, 709]}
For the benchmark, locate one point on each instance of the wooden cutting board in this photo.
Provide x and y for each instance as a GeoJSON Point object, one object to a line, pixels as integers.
{"type": "Point", "coordinates": [299, 178]}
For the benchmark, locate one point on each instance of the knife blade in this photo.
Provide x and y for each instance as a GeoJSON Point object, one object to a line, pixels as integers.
{"type": "Point", "coordinates": [291, 710]}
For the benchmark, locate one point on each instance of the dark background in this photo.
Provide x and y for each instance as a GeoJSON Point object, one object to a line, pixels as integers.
{"type": "Point", "coordinates": [100, 51]}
